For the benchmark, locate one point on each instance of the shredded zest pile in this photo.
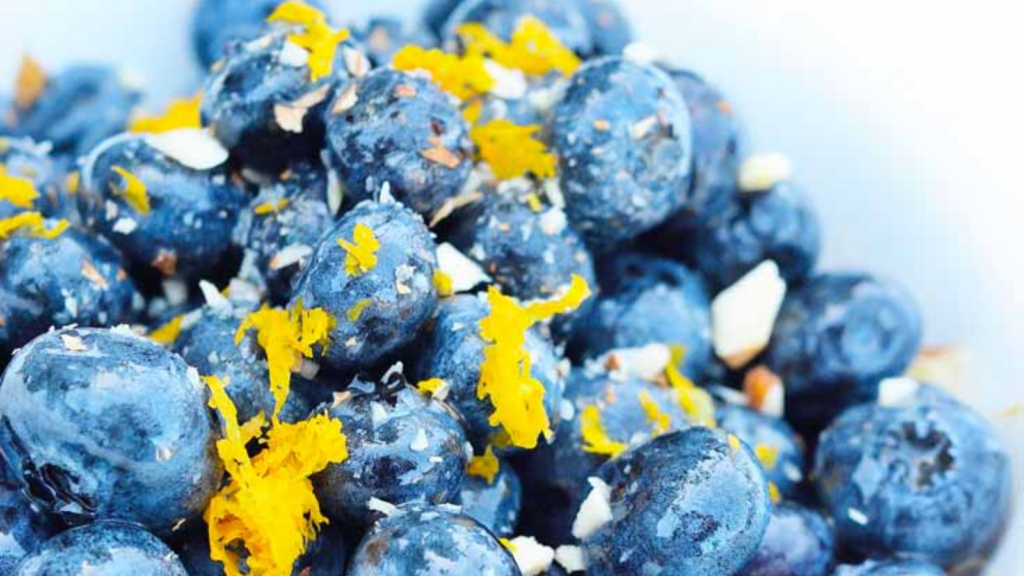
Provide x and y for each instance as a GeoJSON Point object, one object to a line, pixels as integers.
{"type": "Point", "coordinates": [595, 437]}
{"type": "Point", "coordinates": [357, 309]}
{"type": "Point", "coordinates": [511, 150]}
{"type": "Point", "coordinates": [443, 284]}
{"type": "Point", "coordinates": [179, 115]}
{"type": "Point", "coordinates": [517, 397]}
{"type": "Point", "coordinates": [31, 224]}
{"type": "Point", "coordinates": [362, 251]}
{"type": "Point", "coordinates": [659, 420]}
{"type": "Point", "coordinates": [286, 337]}
{"type": "Point", "coordinates": [695, 401]}
{"type": "Point", "coordinates": [486, 466]}
{"type": "Point", "coordinates": [133, 191]}
{"type": "Point", "coordinates": [318, 38]}
{"type": "Point", "coordinates": [267, 514]}
{"type": "Point", "coordinates": [431, 385]}
{"type": "Point", "coordinates": [534, 49]}
{"type": "Point", "coordinates": [270, 207]}
{"type": "Point", "coordinates": [768, 456]}
{"type": "Point", "coordinates": [461, 76]}
{"type": "Point", "coordinates": [16, 190]}
{"type": "Point", "coordinates": [169, 332]}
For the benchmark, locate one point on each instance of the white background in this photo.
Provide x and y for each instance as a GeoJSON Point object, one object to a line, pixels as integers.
{"type": "Point", "coordinates": [904, 120]}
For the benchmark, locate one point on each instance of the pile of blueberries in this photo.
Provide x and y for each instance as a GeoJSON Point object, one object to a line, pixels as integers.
{"type": "Point", "coordinates": [824, 456]}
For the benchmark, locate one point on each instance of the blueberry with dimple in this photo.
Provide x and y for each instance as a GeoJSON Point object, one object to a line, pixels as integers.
{"type": "Point", "coordinates": [610, 30]}
{"type": "Point", "coordinates": [74, 278]}
{"type": "Point", "coordinates": [383, 36]}
{"type": "Point", "coordinates": [648, 300]}
{"type": "Point", "coordinates": [689, 503]}
{"type": "Point", "coordinates": [109, 547]}
{"type": "Point", "coordinates": [217, 23]}
{"type": "Point", "coordinates": [23, 158]}
{"type": "Point", "coordinates": [762, 432]}
{"type": "Point", "coordinates": [324, 556]}
{"type": "Point", "coordinates": [23, 529]}
{"type": "Point", "coordinates": [494, 503]}
{"type": "Point", "coordinates": [799, 542]}
{"type": "Point", "coordinates": [622, 136]}
{"type": "Point", "coordinates": [380, 307]}
{"type": "Point", "coordinates": [183, 228]}
{"type": "Point", "coordinates": [431, 541]}
{"type": "Point", "coordinates": [835, 339]}
{"type": "Point", "coordinates": [565, 19]}
{"type": "Point", "coordinates": [889, 568]}
{"type": "Point", "coordinates": [925, 478]}
{"type": "Point", "coordinates": [453, 350]}
{"type": "Point", "coordinates": [283, 223]}
{"type": "Point", "coordinates": [81, 106]}
{"type": "Point", "coordinates": [402, 448]}
{"type": "Point", "coordinates": [401, 130]}
{"type": "Point", "coordinates": [100, 424]}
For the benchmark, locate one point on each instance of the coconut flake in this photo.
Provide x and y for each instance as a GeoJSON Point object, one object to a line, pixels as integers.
{"type": "Point", "coordinates": [596, 510]}
{"type": "Point", "coordinates": [893, 392]}
{"type": "Point", "coordinates": [290, 118]}
{"type": "Point", "coordinates": [465, 273]}
{"type": "Point", "coordinates": [532, 557]}
{"type": "Point", "coordinates": [125, 225]}
{"type": "Point", "coordinates": [420, 442]}
{"type": "Point", "coordinates": [72, 343]}
{"type": "Point", "coordinates": [571, 558]}
{"type": "Point", "coordinates": [386, 508]}
{"type": "Point", "coordinates": [743, 315]}
{"type": "Point", "coordinates": [293, 55]}
{"type": "Point", "coordinates": [191, 147]}
{"type": "Point", "coordinates": [857, 516]}
{"type": "Point", "coordinates": [509, 83]}
{"type": "Point", "coordinates": [214, 299]}
{"type": "Point", "coordinates": [553, 221]}
{"type": "Point", "coordinates": [762, 172]}
{"type": "Point", "coordinates": [290, 255]}
{"type": "Point", "coordinates": [644, 362]}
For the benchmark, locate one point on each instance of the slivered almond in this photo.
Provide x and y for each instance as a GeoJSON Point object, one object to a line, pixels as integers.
{"type": "Point", "coordinates": [90, 273]}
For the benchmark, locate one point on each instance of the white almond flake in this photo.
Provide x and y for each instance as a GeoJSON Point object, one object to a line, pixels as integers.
{"type": "Point", "coordinates": [762, 172]}
{"type": "Point", "coordinates": [355, 62]}
{"type": "Point", "coordinates": [73, 343]}
{"type": "Point", "coordinates": [645, 363]}
{"type": "Point", "coordinates": [385, 196]}
{"type": "Point", "coordinates": [290, 255]}
{"type": "Point", "coordinates": [192, 375]}
{"type": "Point", "coordinates": [403, 275]}
{"type": "Point", "coordinates": [566, 410]}
{"type": "Point", "coordinates": [743, 315]}
{"type": "Point", "coordinates": [774, 402]}
{"type": "Point", "coordinates": [641, 53]}
{"type": "Point", "coordinates": [214, 299]}
{"type": "Point", "coordinates": [125, 225]}
{"type": "Point", "coordinates": [345, 101]}
{"type": "Point", "coordinates": [163, 454]}
{"type": "Point", "coordinates": [386, 508]}
{"type": "Point", "coordinates": [335, 191]}
{"type": "Point", "coordinates": [532, 557]}
{"type": "Point", "coordinates": [378, 415]}
{"type": "Point", "coordinates": [191, 147]}
{"type": "Point", "coordinates": [553, 221]}
{"type": "Point", "coordinates": [435, 460]}
{"type": "Point", "coordinates": [792, 472]}
{"type": "Point", "coordinates": [571, 558]}
{"type": "Point", "coordinates": [420, 442]}
{"type": "Point", "coordinates": [553, 190]}
{"type": "Point", "coordinates": [293, 55]}
{"type": "Point", "coordinates": [464, 273]}
{"type": "Point", "coordinates": [290, 118]}
{"type": "Point", "coordinates": [110, 210]}
{"type": "Point", "coordinates": [176, 291]}
{"type": "Point", "coordinates": [509, 83]}
{"type": "Point", "coordinates": [641, 129]}
{"type": "Point", "coordinates": [893, 392]}
{"type": "Point", "coordinates": [857, 516]}
{"type": "Point", "coordinates": [596, 510]}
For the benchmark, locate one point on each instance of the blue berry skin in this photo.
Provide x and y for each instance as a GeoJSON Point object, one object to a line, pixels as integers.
{"type": "Point", "coordinates": [23, 529]}
{"type": "Point", "coordinates": [648, 300]}
{"type": "Point", "coordinates": [23, 158]}
{"type": "Point", "coordinates": [400, 286]}
{"type": "Point", "coordinates": [384, 36]}
{"type": "Point", "coordinates": [436, 13]}
{"type": "Point", "coordinates": [799, 542]}
{"type": "Point", "coordinates": [610, 30]}
{"type": "Point", "coordinates": [495, 505]}
{"type": "Point", "coordinates": [453, 351]}
{"type": "Point", "coordinates": [387, 136]}
{"type": "Point", "coordinates": [217, 23]}
{"type": "Point", "coordinates": [431, 541]}
{"type": "Point", "coordinates": [756, 429]}
{"type": "Point", "coordinates": [192, 212]}
{"type": "Point", "coordinates": [74, 278]}
{"type": "Point", "coordinates": [835, 339]}
{"type": "Point", "coordinates": [930, 476]}
{"type": "Point", "coordinates": [81, 106]}
{"type": "Point", "coordinates": [684, 504]}
{"type": "Point", "coordinates": [889, 568]}
{"type": "Point", "coordinates": [388, 457]}
{"type": "Point", "coordinates": [325, 556]}
{"type": "Point", "coordinates": [622, 136]}
{"type": "Point", "coordinates": [110, 548]}
{"type": "Point", "coordinates": [243, 97]}
{"type": "Point", "coordinates": [119, 430]}
{"type": "Point", "coordinates": [565, 19]}
{"type": "Point", "coordinates": [299, 225]}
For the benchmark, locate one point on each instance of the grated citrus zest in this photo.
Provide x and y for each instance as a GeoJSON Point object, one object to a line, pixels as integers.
{"type": "Point", "coordinates": [695, 402]}
{"type": "Point", "coordinates": [180, 114]}
{"type": "Point", "coordinates": [768, 455]}
{"type": "Point", "coordinates": [508, 544]}
{"type": "Point", "coordinates": [16, 190]}
{"type": "Point", "coordinates": [30, 83]}
{"type": "Point", "coordinates": [734, 443]}
{"type": "Point", "coordinates": [659, 420]}
{"type": "Point", "coordinates": [534, 49]}
{"type": "Point", "coordinates": [430, 386]}
{"type": "Point", "coordinates": [318, 38]}
{"type": "Point", "coordinates": [511, 150]}
{"type": "Point", "coordinates": [773, 493]}
{"type": "Point", "coordinates": [595, 437]}
{"type": "Point", "coordinates": [461, 76]}
{"type": "Point", "coordinates": [168, 332]}
{"type": "Point", "coordinates": [533, 201]}
{"type": "Point", "coordinates": [32, 224]}
{"type": "Point", "coordinates": [268, 207]}
{"type": "Point", "coordinates": [73, 181]}
{"type": "Point", "coordinates": [443, 284]}
{"type": "Point", "coordinates": [353, 313]}
{"type": "Point", "coordinates": [485, 466]}
{"type": "Point", "coordinates": [362, 251]}
{"type": "Point", "coordinates": [134, 191]}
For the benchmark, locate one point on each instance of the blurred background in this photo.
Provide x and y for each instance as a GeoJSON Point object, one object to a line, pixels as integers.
{"type": "Point", "coordinates": [902, 119]}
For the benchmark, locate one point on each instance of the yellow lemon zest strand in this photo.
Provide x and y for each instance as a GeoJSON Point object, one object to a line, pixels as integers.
{"type": "Point", "coordinates": [768, 455]}
{"type": "Point", "coordinates": [473, 111]}
{"type": "Point", "coordinates": [286, 336]}
{"type": "Point", "coordinates": [461, 76]}
{"type": "Point", "coordinates": [72, 182]}
{"type": "Point", "coordinates": [296, 12]}
{"type": "Point", "coordinates": [268, 507]}
{"type": "Point", "coordinates": [695, 401]}
{"type": "Point", "coordinates": [517, 397]}
{"type": "Point", "coordinates": [443, 284]}
{"type": "Point", "coordinates": [362, 251]}
{"type": "Point", "coordinates": [353, 313]}
{"type": "Point", "coordinates": [508, 544]}
{"type": "Point", "coordinates": [485, 466]}
{"type": "Point", "coordinates": [16, 190]}
{"type": "Point", "coordinates": [534, 49]}
{"type": "Point", "coordinates": [134, 191]}
{"type": "Point", "coordinates": [533, 201]}
{"type": "Point", "coordinates": [31, 224]}
{"type": "Point", "coordinates": [169, 332]}
{"type": "Point", "coordinates": [734, 443]}
{"type": "Point", "coordinates": [30, 83]}
{"type": "Point", "coordinates": [511, 150]}
{"type": "Point", "coordinates": [430, 386]}
{"type": "Point", "coordinates": [319, 39]}
{"type": "Point", "coordinates": [773, 493]}
{"type": "Point", "coordinates": [659, 420]}
{"type": "Point", "coordinates": [595, 437]}
{"type": "Point", "coordinates": [268, 207]}
{"type": "Point", "coordinates": [180, 114]}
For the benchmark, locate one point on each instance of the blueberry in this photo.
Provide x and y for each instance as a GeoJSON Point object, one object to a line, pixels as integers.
{"type": "Point", "coordinates": [217, 23]}
{"type": "Point", "coordinates": [686, 503]}
{"type": "Point", "coordinates": [81, 106]}
{"type": "Point", "coordinates": [431, 541]}
{"type": "Point", "coordinates": [23, 158]}
{"type": "Point", "coordinates": [927, 478]}
{"type": "Point", "coordinates": [799, 542]}
{"type": "Point", "coordinates": [889, 568]}
{"type": "Point", "coordinates": [773, 434]}
{"type": "Point", "coordinates": [403, 131]}
{"type": "Point", "coordinates": [394, 299]}
{"type": "Point", "coordinates": [565, 19]}
{"type": "Point", "coordinates": [436, 13]}
{"type": "Point", "coordinates": [267, 110]}
{"type": "Point", "coordinates": [325, 556]}
{"type": "Point", "coordinates": [610, 30]}
{"type": "Point", "coordinates": [402, 448]}
{"type": "Point", "coordinates": [100, 424]}
{"type": "Point", "coordinates": [191, 213]}
{"type": "Point", "coordinates": [384, 36]}
{"type": "Point", "coordinates": [71, 279]}
{"type": "Point", "coordinates": [23, 529]}
{"type": "Point", "coordinates": [281, 240]}
{"type": "Point", "coordinates": [648, 300]}
{"type": "Point", "coordinates": [622, 135]}
{"type": "Point", "coordinates": [110, 548]}
{"type": "Point", "coordinates": [453, 351]}
{"type": "Point", "coordinates": [495, 504]}
{"type": "Point", "coordinates": [835, 338]}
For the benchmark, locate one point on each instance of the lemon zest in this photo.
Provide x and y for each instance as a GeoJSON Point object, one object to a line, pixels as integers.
{"type": "Point", "coordinates": [695, 401]}
{"type": "Point", "coordinates": [431, 385]}
{"type": "Point", "coordinates": [461, 76]}
{"type": "Point", "coordinates": [72, 182]}
{"type": "Point", "coordinates": [134, 191]}
{"type": "Point", "coordinates": [30, 84]}
{"type": "Point", "coordinates": [595, 437]}
{"type": "Point", "coordinates": [734, 443]}
{"type": "Point", "coordinates": [268, 506]}
{"type": "Point", "coordinates": [353, 313]}
{"type": "Point", "coordinates": [268, 207]}
{"type": "Point", "coordinates": [168, 333]}
{"type": "Point", "coordinates": [318, 38]}
{"type": "Point", "coordinates": [32, 224]}
{"type": "Point", "coordinates": [179, 114]}
{"type": "Point", "coordinates": [659, 420]}
{"type": "Point", "coordinates": [473, 111]}
{"type": "Point", "coordinates": [517, 397]}
{"type": "Point", "coordinates": [286, 336]}
{"type": "Point", "coordinates": [768, 455]}
{"type": "Point", "coordinates": [533, 201]}
{"type": "Point", "coordinates": [485, 466]}
{"type": "Point", "coordinates": [511, 150]}
{"type": "Point", "coordinates": [16, 190]}
{"type": "Point", "coordinates": [362, 251]}
{"type": "Point", "coordinates": [508, 544]}
{"type": "Point", "coordinates": [533, 48]}
{"type": "Point", "coordinates": [773, 493]}
{"type": "Point", "coordinates": [443, 284]}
